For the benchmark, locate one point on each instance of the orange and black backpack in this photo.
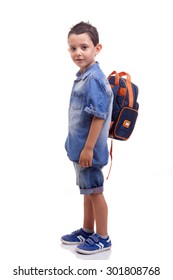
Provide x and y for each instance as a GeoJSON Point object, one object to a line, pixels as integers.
{"type": "Point", "coordinates": [125, 107]}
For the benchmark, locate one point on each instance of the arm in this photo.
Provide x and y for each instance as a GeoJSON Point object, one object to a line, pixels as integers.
{"type": "Point", "coordinates": [86, 155]}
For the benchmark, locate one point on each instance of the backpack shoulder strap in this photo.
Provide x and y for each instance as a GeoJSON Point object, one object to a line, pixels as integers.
{"type": "Point", "coordinates": [111, 156]}
{"type": "Point", "coordinates": [129, 87]}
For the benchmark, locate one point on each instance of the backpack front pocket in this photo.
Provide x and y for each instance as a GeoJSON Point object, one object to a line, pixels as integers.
{"type": "Point", "coordinates": [124, 126]}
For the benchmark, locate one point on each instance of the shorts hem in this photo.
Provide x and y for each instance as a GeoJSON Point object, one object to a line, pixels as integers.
{"type": "Point", "coordinates": [91, 191]}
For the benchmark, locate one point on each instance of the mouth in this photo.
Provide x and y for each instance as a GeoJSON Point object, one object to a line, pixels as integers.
{"type": "Point", "coordinates": [78, 60]}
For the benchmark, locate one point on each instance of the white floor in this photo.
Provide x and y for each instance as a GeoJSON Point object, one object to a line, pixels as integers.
{"type": "Point", "coordinates": [140, 222]}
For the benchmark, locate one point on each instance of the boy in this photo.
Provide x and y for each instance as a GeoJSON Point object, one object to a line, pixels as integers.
{"type": "Point", "coordinates": [86, 144]}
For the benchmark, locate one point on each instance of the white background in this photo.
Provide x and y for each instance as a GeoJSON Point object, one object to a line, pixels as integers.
{"type": "Point", "coordinates": [39, 201]}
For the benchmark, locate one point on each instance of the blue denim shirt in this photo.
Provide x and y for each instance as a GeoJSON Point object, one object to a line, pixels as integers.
{"type": "Point", "coordinates": [91, 96]}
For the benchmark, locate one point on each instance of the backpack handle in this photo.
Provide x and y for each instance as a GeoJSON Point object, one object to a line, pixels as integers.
{"type": "Point", "coordinates": [128, 83]}
{"type": "Point", "coordinates": [116, 77]}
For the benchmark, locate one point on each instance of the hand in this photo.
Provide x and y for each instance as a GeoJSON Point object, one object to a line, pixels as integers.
{"type": "Point", "coordinates": [86, 157]}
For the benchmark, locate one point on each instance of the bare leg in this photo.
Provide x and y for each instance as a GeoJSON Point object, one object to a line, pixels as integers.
{"type": "Point", "coordinates": [88, 213]}
{"type": "Point", "coordinates": [100, 212]}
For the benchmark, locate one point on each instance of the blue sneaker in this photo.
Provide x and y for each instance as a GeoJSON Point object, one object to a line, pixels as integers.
{"type": "Point", "coordinates": [76, 237]}
{"type": "Point", "coordinates": [94, 244]}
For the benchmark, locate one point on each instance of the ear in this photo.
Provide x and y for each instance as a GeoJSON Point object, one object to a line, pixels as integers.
{"type": "Point", "coordinates": [98, 48]}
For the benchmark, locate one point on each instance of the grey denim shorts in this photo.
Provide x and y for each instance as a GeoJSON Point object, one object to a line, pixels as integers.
{"type": "Point", "coordinates": [89, 179]}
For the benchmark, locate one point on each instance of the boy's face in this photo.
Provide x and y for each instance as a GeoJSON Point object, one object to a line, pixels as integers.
{"type": "Point", "coordinates": [82, 50]}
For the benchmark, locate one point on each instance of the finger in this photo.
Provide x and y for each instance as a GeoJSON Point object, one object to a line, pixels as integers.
{"type": "Point", "coordinates": [83, 163]}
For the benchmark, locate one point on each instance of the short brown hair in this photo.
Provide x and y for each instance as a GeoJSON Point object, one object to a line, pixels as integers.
{"type": "Point", "coordinates": [85, 27]}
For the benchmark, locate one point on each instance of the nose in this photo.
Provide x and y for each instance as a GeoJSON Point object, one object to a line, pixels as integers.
{"type": "Point", "coordinates": [78, 51]}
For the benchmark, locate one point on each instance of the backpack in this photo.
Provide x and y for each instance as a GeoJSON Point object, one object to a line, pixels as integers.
{"type": "Point", "coordinates": [125, 106]}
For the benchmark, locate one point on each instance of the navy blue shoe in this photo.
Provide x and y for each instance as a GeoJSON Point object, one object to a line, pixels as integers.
{"type": "Point", "coordinates": [94, 244]}
{"type": "Point", "coordinates": [76, 237]}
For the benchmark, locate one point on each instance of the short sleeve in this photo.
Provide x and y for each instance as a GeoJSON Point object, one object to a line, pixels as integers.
{"type": "Point", "coordinates": [97, 99]}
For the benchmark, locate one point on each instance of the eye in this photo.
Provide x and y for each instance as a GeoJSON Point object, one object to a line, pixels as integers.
{"type": "Point", "coordinates": [84, 47]}
{"type": "Point", "coordinates": [72, 49]}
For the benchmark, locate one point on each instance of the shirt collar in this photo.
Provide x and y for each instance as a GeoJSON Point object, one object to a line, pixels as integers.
{"type": "Point", "coordinates": [87, 72]}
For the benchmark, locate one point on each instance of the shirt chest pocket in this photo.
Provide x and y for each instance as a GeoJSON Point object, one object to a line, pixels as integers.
{"type": "Point", "coordinates": [77, 100]}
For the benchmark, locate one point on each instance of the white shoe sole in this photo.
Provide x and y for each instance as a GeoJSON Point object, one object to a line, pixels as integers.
{"type": "Point", "coordinates": [70, 243]}
{"type": "Point", "coordinates": [92, 252]}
